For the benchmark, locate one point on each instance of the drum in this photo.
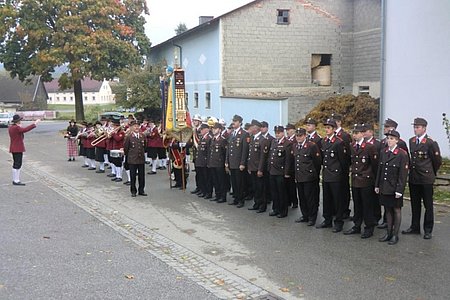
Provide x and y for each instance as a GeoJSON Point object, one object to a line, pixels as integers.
{"type": "Point", "coordinates": [116, 153]}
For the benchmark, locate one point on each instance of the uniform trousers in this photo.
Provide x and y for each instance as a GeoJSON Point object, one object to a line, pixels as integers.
{"type": "Point", "coordinates": [278, 193]}
{"type": "Point", "coordinates": [334, 202]}
{"type": "Point", "coordinates": [139, 171]}
{"type": "Point", "coordinates": [204, 180]}
{"type": "Point", "coordinates": [345, 189]}
{"type": "Point", "coordinates": [237, 183]}
{"type": "Point", "coordinates": [219, 182]}
{"type": "Point", "coordinates": [258, 187]}
{"type": "Point", "coordinates": [17, 160]}
{"type": "Point", "coordinates": [418, 193]}
{"type": "Point", "coordinates": [308, 194]}
{"type": "Point", "coordinates": [364, 199]}
{"type": "Point", "coordinates": [291, 191]}
{"type": "Point", "coordinates": [100, 154]}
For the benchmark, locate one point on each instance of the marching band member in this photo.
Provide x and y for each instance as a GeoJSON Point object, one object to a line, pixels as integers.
{"type": "Point", "coordinates": [134, 149]}
{"type": "Point", "coordinates": [81, 138]}
{"type": "Point", "coordinates": [100, 148]}
{"type": "Point", "coordinates": [162, 152]}
{"type": "Point", "coordinates": [152, 134]}
{"type": "Point", "coordinates": [89, 135]}
{"type": "Point", "coordinates": [196, 122]}
{"type": "Point", "coordinates": [71, 136]}
{"type": "Point", "coordinates": [107, 128]}
{"type": "Point", "coordinates": [117, 138]}
{"type": "Point", "coordinates": [144, 127]}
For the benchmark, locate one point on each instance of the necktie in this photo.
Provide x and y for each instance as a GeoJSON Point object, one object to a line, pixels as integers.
{"type": "Point", "coordinates": [357, 147]}
{"type": "Point", "coordinates": [417, 141]}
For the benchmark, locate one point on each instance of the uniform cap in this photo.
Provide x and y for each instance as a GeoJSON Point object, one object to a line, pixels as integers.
{"type": "Point", "coordinates": [247, 126]}
{"type": "Point", "coordinates": [197, 117]}
{"type": "Point", "coordinates": [237, 118]}
{"type": "Point", "coordinates": [359, 128]}
{"type": "Point", "coordinates": [278, 128]}
{"type": "Point", "coordinates": [289, 126]}
{"type": "Point", "coordinates": [222, 122]}
{"type": "Point", "coordinates": [264, 124]}
{"type": "Point", "coordinates": [300, 131]}
{"type": "Point", "coordinates": [116, 122]}
{"type": "Point", "coordinates": [217, 125]}
{"type": "Point", "coordinates": [336, 116]}
{"type": "Point", "coordinates": [16, 118]}
{"type": "Point", "coordinates": [330, 122]}
{"type": "Point", "coordinates": [204, 126]}
{"type": "Point", "coordinates": [367, 126]}
{"type": "Point", "coordinates": [311, 121]}
{"type": "Point", "coordinates": [393, 133]}
{"type": "Point", "coordinates": [256, 123]}
{"type": "Point", "coordinates": [72, 121]}
{"type": "Point", "coordinates": [420, 121]}
{"type": "Point", "coordinates": [390, 123]}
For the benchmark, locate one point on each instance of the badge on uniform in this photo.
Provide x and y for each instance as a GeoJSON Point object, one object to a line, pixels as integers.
{"type": "Point", "coordinates": [279, 153]}
{"type": "Point", "coordinates": [363, 160]}
{"type": "Point", "coordinates": [332, 154]}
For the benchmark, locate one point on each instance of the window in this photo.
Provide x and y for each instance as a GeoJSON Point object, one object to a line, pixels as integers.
{"type": "Point", "coordinates": [71, 99]}
{"type": "Point", "coordinates": [57, 98]}
{"type": "Point", "coordinates": [283, 16]}
{"type": "Point", "coordinates": [85, 98]}
{"type": "Point", "coordinates": [64, 98]}
{"type": "Point", "coordinates": [363, 90]}
{"type": "Point", "coordinates": [93, 98]}
{"type": "Point", "coordinates": [50, 98]}
{"type": "Point", "coordinates": [196, 99]}
{"type": "Point", "coordinates": [207, 100]}
{"type": "Point", "coordinates": [321, 69]}
{"type": "Point", "coordinates": [186, 101]}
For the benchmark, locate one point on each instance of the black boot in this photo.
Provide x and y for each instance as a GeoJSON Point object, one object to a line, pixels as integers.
{"type": "Point", "coordinates": [386, 237]}
{"type": "Point", "coordinates": [393, 240]}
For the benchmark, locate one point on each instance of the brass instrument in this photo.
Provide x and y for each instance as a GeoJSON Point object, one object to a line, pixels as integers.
{"type": "Point", "coordinates": [105, 135]}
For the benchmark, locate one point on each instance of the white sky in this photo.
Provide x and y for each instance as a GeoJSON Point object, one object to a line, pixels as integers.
{"type": "Point", "coordinates": [165, 15]}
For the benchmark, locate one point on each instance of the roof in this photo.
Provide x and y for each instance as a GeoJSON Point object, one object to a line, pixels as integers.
{"type": "Point", "coordinates": [87, 84]}
{"type": "Point", "coordinates": [14, 91]}
{"type": "Point", "coordinates": [203, 26]}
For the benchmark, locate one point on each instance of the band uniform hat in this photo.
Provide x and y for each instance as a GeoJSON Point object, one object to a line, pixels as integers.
{"type": "Point", "coordinates": [72, 121]}
{"type": "Point", "coordinates": [289, 126]}
{"type": "Point", "coordinates": [300, 131]}
{"type": "Point", "coordinates": [134, 122]}
{"type": "Point", "coordinates": [256, 123]}
{"type": "Point", "coordinates": [116, 122]}
{"type": "Point", "coordinates": [16, 118]}
{"type": "Point", "coordinates": [264, 124]}
{"type": "Point", "coordinates": [420, 121]}
{"type": "Point", "coordinates": [84, 123]}
{"type": "Point", "coordinates": [367, 126]}
{"type": "Point", "coordinates": [390, 123]}
{"type": "Point", "coordinates": [278, 128]}
{"type": "Point", "coordinates": [359, 128]}
{"type": "Point", "coordinates": [336, 116]}
{"type": "Point", "coordinates": [197, 117]}
{"type": "Point", "coordinates": [311, 121]}
{"type": "Point", "coordinates": [237, 118]}
{"type": "Point", "coordinates": [247, 126]}
{"type": "Point", "coordinates": [98, 123]}
{"type": "Point", "coordinates": [330, 122]}
{"type": "Point", "coordinates": [217, 125]}
{"type": "Point", "coordinates": [203, 126]}
{"type": "Point", "coordinates": [393, 132]}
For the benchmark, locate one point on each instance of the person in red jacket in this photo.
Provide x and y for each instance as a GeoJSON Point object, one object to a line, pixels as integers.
{"type": "Point", "coordinates": [16, 146]}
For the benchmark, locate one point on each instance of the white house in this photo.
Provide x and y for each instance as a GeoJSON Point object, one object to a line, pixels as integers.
{"type": "Point", "coordinates": [94, 93]}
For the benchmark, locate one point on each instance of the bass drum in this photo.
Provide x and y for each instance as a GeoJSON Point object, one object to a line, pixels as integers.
{"type": "Point", "coordinates": [115, 153]}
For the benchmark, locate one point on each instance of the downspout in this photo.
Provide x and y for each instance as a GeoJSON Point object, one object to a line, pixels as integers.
{"type": "Point", "coordinates": [383, 66]}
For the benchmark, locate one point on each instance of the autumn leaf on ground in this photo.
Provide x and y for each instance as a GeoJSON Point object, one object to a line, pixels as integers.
{"type": "Point", "coordinates": [129, 276]}
{"type": "Point", "coordinates": [390, 278]}
{"type": "Point", "coordinates": [285, 290]}
{"type": "Point", "coordinates": [241, 296]}
{"type": "Point", "coordinates": [219, 281]}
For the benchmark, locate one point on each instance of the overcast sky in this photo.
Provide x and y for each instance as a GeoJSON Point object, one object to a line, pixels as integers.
{"type": "Point", "coordinates": [165, 15]}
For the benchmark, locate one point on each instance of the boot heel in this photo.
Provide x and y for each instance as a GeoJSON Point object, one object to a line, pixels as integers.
{"type": "Point", "coordinates": [386, 237]}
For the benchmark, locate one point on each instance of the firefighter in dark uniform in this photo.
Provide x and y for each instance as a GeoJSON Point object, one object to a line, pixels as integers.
{"type": "Point", "coordinates": [347, 139]}
{"type": "Point", "coordinates": [307, 162]}
{"type": "Point", "coordinates": [201, 163]}
{"type": "Point", "coordinates": [196, 122]}
{"type": "Point", "coordinates": [290, 182]}
{"type": "Point", "coordinates": [390, 184]}
{"type": "Point", "coordinates": [216, 163]}
{"type": "Point", "coordinates": [257, 161]}
{"type": "Point", "coordinates": [425, 162]}
{"type": "Point", "coordinates": [313, 136]}
{"type": "Point", "coordinates": [333, 171]}
{"type": "Point", "coordinates": [363, 172]}
{"type": "Point", "coordinates": [236, 160]}
{"type": "Point", "coordinates": [369, 138]}
{"type": "Point", "coordinates": [388, 125]}
{"type": "Point", "coordinates": [266, 134]}
{"type": "Point", "coordinates": [280, 165]}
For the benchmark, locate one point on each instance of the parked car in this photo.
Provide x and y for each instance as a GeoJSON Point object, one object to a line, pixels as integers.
{"type": "Point", "coordinates": [5, 119]}
{"type": "Point", "coordinates": [111, 115]}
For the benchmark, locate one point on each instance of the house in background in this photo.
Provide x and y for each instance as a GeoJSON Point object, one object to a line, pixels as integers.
{"type": "Point", "coordinates": [274, 60]}
{"type": "Point", "coordinates": [16, 95]}
{"type": "Point", "coordinates": [94, 93]}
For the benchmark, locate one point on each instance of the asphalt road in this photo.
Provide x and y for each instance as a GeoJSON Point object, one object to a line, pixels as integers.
{"type": "Point", "coordinates": [278, 255]}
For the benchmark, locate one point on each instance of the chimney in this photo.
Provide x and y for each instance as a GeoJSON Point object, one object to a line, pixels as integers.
{"type": "Point", "coordinates": [204, 19]}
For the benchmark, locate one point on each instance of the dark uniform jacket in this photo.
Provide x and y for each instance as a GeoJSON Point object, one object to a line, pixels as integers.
{"type": "Point", "coordinates": [201, 158]}
{"type": "Point", "coordinates": [314, 137]}
{"type": "Point", "coordinates": [392, 171]}
{"type": "Point", "coordinates": [347, 139]}
{"type": "Point", "coordinates": [134, 149]}
{"type": "Point", "coordinates": [280, 157]}
{"type": "Point", "coordinates": [364, 164]}
{"type": "Point", "coordinates": [375, 142]}
{"type": "Point", "coordinates": [307, 161]}
{"type": "Point", "coordinates": [257, 153]}
{"type": "Point", "coordinates": [217, 152]}
{"type": "Point", "coordinates": [237, 152]}
{"type": "Point", "coordinates": [334, 159]}
{"type": "Point", "coordinates": [425, 160]}
{"type": "Point", "coordinates": [401, 144]}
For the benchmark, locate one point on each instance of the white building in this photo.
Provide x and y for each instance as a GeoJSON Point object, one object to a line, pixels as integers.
{"type": "Point", "coordinates": [94, 92]}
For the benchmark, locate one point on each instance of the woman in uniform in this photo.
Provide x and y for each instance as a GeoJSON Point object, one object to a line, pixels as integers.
{"type": "Point", "coordinates": [390, 184]}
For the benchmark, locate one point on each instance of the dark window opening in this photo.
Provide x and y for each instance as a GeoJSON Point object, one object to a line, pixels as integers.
{"type": "Point", "coordinates": [283, 16]}
{"type": "Point", "coordinates": [321, 69]}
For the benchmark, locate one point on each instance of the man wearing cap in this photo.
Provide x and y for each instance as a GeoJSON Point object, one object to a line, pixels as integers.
{"type": "Point", "coordinates": [390, 184]}
{"type": "Point", "coordinates": [266, 134]}
{"type": "Point", "coordinates": [425, 162]}
{"type": "Point", "coordinates": [90, 150]}
{"type": "Point", "coordinates": [290, 182]}
{"type": "Point", "coordinates": [280, 167]}
{"type": "Point", "coordinates": [257, 160]}
{"type": "Point", "coordinates": [363, 172]}
{"type": "Point", "coordinates": [307, 162]}
{"type": "Point", "coordinates": [389, 125]}
{"type": "Point", "coordinates": [196, 122]}
{"type": "Point", "coordinates": [216, 163]}
{"type": "Point", "coordinates": [333, 171]}
{"type": "Point", "coordinates": [236, 159]}
{"type": "Point", "coordinates": [313, 136]}
{"type": "Point", "coordinates": [346, 138]}
{"type": "Point", "coordinates": [17, 147]}
{"type": "Point", "coordinates": [201, 163]}
{"type": "Point", "coordinates": [82, 137]}
{"type": "Point", "coordinates": [100, 148]}
{"type": "Point", "coordinates": [117, 138]}
{"type": "Point", "coordinates": [134, 149]}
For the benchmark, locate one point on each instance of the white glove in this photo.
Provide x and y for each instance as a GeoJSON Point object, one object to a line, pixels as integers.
{"type": "Point", "coordinates": [397, 195]}
{"type": "Point", "coordinates": [377, 190]}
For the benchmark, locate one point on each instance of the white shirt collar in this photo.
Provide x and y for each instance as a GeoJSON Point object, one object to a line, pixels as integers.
{"type": "Point", "coordinates": [421, 137]}
{"type": "Point", "coordinates": [257, 135]}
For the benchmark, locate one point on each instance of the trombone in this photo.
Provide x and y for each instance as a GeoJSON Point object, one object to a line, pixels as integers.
{"type": "Point", "coordinates": [104, 135]}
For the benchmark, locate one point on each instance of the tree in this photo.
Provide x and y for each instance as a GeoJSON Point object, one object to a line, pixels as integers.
{"type": "Point", "coordinates": [94, 38]}
{"type": "Point", "coordinates": [139, 87]}
{"type": "Point", "coordinates": [180, 29]}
